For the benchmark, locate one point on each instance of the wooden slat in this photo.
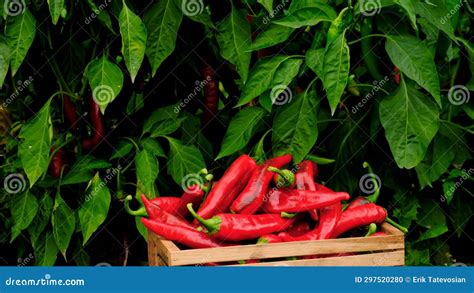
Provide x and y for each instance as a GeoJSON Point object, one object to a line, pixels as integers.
{"type": "Point", "coordinates": [393, 258]}
{"type": "Point", "coordinates": [287, 249]}
{"type": "Point", "coordinates": [163, 248]}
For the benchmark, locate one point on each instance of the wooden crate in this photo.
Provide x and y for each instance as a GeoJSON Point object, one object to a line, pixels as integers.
{"type": "Point", "coordinates": [367, 251]}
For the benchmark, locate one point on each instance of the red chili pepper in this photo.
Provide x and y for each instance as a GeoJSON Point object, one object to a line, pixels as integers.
{"type": "Point", "coordinates": [253, 195]}
{"type": "Point", "coordinates": [228, 187]}
{"type": "Point", "coordinates": [396, 75]}
{"type": "Point", "coordinates": [211, 92]}
{"type": "Point", "coordinates": [357, 202]}
{"type": "Point", "coordinates": [70, 112]}
{"type": "Point", "coordinates": [156, 213]}
{"type": "Point", "coordinates": [305, 181]}
{"type": "Point", "coordinates": [359, 216]}
{"type": "Point", "coordinates": [269, 238]}
{"type": "Point", "coordinates": [298, 228]}
{"type": "Point", "coordinates": [294, 200]}
{"type": "Point", "coordinates": [188, 237]}
{"type": "Point", "coordinates": [58, 162]}
{"type": "Point", "coordinates": [194, 195]}
{"type": "Point", "coordinates": [238, 227]}
{"type": "Point", "coordinates": [98, 129]}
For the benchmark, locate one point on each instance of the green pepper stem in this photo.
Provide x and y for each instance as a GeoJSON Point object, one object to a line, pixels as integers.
{"type": "Point", "coordinates": [396, 225]}
{"type": "Point", "coordinates": [141, 212]}
{"type": "Point", "coordinates": [288, 215]}
{"type": "Point", "coordinates": [262, 240]}
{"type": "Point", "coordinates": [372, 229]}
{"type": "Point", "coordinates": [373, 197]}
{"type": "Point", "coordinates": [212, 225]}
{"type": "Point", "coordinates": [286, 177]}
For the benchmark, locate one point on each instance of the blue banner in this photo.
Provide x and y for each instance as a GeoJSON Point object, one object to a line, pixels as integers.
{"type": "Point", "coordinates": [221, 279]}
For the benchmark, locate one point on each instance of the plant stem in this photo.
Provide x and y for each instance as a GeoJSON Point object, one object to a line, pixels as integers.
{"type": "Point", "coordinates": [365, 37]}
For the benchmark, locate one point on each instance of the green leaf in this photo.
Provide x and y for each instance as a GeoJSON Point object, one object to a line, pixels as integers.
{"type": "Point", "coordinates": [63, 222]}
{"type": "Point", "coordinates": [433, 218]}
{"type": "Point", "coordinates": [152, 146]}
{"type": "Point", "coordinates": [46, 250]}
{"type": "Point", "coordinates": [295, 5]}
{"type": "Point", "coordinates": [336, 70]}
{"type": "Point", "coordinates": [162, 21]}
{"type": "Point", "coordinates": [134, 36]}
{"type": "Point", "coordinates": [20, 32]}
{"type": "Point", "coordinates": [267, 4]}
{"type": "Point", "coordinates": [234, 38]}
{"type": "Point", "coordinates": [135, 104]}
{"type": "Point", "coordinates": [89, 162]}
{"type": "Point", "coordinates": [259, 155]}
{"type": "Point", "coordinates": [183, 160]}
{"type": "Point", "coordinates": [101, 14]}
{"type": "Point", "coordinates": [78, 176]}
{"type": "Point", "coordinates": [295, 127]}
{"type": "Point", "coordinates": [260, 78]}
{"type": "Point", "coordinates": [285, 73]}
{"type": "Point", "coordinates": [55, 8]}
{"type": "Point", "coordinates": [308, 16]}
{"type": "Point", "coordinates": [273, 35]}
{"type": "Point", "coordinates": [314, 58]}
{"type": "Point", "coordinates": [41, 220]}
{"type": "Point", "coordinates": [146, 166]}
{"type": "Point", "coordinates": [124, 147]}
{"type": "Point", "coordinates": [241, 129]}
{"type": "Point", "coordinates": [436, 161]}
{"type": "Point", "coordinates": [34, 149]}
{"type": "Point", "coordinates": [106, 80]}
{"type": "Point", "coordinates": [4, 60]}
{"type": "Point", "coordinates": [141, 228]}
{"type": "Point", "coordinates": [409, 7]}
{"type": "Point", "coordinates": [410, 120]}
{"type": "Point", "coordinates": [415, 60]}
{"type": "Point", "coordinates": [164, 113]}
{"type": "Point", "coordinates": [406, 208]}
{"type": "Point", "coordinates": [460, 213]}
{"type": "Point", "coordinates": [93, 211]}
{"type": "Point", "coordinates": [320, 160]}
{"type": "Point", "coordinates": [436, 13]}
{"type": "Point", "coordinates": [165, 127]}
{"type": "Point", "coordinates": [23, 208]}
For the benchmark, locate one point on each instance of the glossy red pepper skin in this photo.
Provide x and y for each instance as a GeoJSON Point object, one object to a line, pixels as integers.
{"type": "Point", "coordinates": [229, 186]}
{"type": "Point", "coordinates": [238, 227]}
{"type": "Point", "coordinates": [70, 112]}
{"type": "Point", "coordinates": [294, 200]}
{"type": "Point", "coordinates": [156, 213]}
{"type": "Point", "coordinates": [98, 128]}
{"type": "Point", "coordinates": [168, 203]}
{"type": "Point", "coordinates": [59, 161]}
{"type": "Point", "coordinates": [298, 228]}
{"type": "Point", "coordinates": [193, 195]}
{"type": "Point", "coordinates": [269, 238]}
{"type": "Point", "coordinates": [253, 195]}
{"type": "Point", "coordinates": [359, 216]}
{"type": "Point", "coordinates": [396, 76]}
{"type": "Point", "coordinates": [211, 92]}
{"type": "Point", "coordinates": [358, 201]}
{"type": "Point", "coordinates": [185, 236]}
{"type": "Point", "coordinates": [304, 178]}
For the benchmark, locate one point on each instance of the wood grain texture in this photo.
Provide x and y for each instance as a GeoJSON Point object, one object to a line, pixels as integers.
{"type": "Point", "coordinates": [171, 255]}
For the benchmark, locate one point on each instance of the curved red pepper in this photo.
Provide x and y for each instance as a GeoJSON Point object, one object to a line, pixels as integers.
{"type": "Point", "coordinates": [98, 129]}
{"type": "Point", "coordinates": [156, 213]}
{"type": "Point", "coordinates": [211, 92]}
{"type": "Point", "coordinates": [188, 237]}
{"type": "Point", "coordinates": [228, 187]}
{"type": "Point", "coordinates": [305, 181]}
{"type": "Point", "coordinates": [194, 195]}
{"type": "Point", "coordinates": [294, 201]}
{"type": "Point", "coordinates": [238, 227]}
{"type": "Point", "coordinates": [70, 112]}
{"type": "Point", "coordinates": [253, 195]}
{"type": "Point", "coordinates": [58, 162]}
{"type": "Point", "coordinates": [357, 202]}
{"type": "Point", "coordinates": [359, 216]}
{"type": "Point", "coordinates": [298, 228]}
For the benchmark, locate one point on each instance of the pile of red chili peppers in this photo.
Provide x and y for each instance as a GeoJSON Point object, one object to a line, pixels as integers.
{"type": "Point", "coordinates": [260, 203]}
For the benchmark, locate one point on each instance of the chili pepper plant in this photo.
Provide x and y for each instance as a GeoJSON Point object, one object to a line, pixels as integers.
{"type": "Point", "coordinates": [103, 101]}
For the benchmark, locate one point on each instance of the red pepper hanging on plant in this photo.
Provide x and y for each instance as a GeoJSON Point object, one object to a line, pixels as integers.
{"type": "Point", "coordinates": [98, 129]}
{"type": "Point", "coordinates": [70, 112]}
{"type": "Point", "coordinates": [211, 92]}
